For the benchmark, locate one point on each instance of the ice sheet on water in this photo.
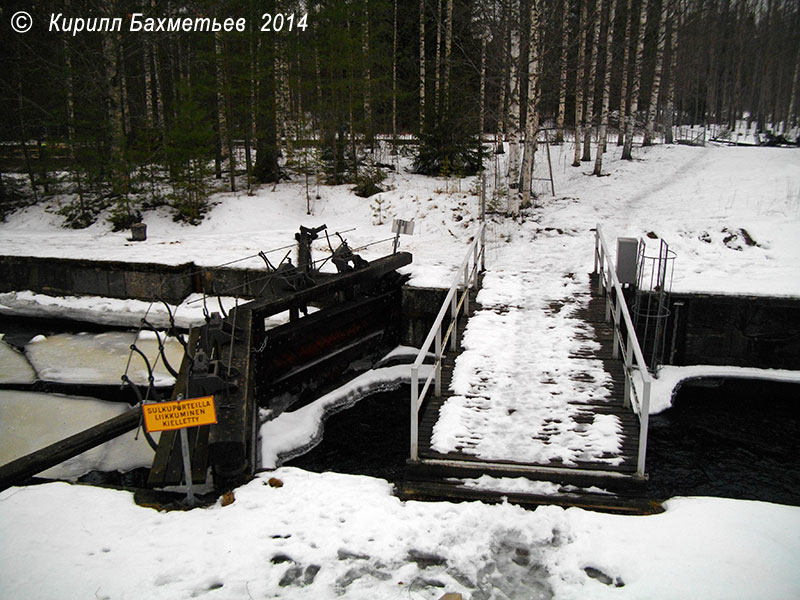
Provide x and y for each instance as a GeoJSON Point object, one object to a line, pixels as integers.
{"type": "Point", "coordinates": [14, 367]}
{"type": "Point", "coordinates": [102, 358]}
{"type": "Point", "coordinates": [30, 421]}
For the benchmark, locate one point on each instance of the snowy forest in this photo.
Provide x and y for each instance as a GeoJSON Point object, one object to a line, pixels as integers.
{"type": "Point", "coordinates": [131, 120]}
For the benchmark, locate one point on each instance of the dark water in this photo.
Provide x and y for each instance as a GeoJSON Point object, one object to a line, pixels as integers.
{"type": "Point", "coordinates": [732, 438]}
{"type": "Point", "coordinates": [370, 438]}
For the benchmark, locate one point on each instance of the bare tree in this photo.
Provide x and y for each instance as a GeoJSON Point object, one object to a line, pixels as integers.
{"type": "Point", "coordinates": [394, 76]}
{"type": "Point", "coordinates": [562, 87]}
{"type": "Point", "coordinates": [623, 93]}
{"type": "Point", "coordinates": [593, 57]}
{"type": "Point", "coordinates": [421, 65]}
{"type": "Point", "coordinates": [367, 75]}
{"type": "Point", "coordinates": [505, 75]}
{"type": "Point", "coordinates": [669, 109]}
{"type": "Point", "coordinates": [603, 130]}
{"type": "Point", "coordinates": [482, 100]}
{"type": "Point", "coordinates": [437, 78]}
{"type": "Point", "coordinates": [448, 44]}
{"type": "Point", "coordinates": [630, 122]}
{"type": "Point", "coordinates": [532, 119]}
{"type": "Point", "coordinates": [656, 86]}
{"type": "Point", "coordinates": [513, 122]}
{"type": "Point", "coordinates": [792, 117]}
{"type": "Point", "coordinates": [579, 84]}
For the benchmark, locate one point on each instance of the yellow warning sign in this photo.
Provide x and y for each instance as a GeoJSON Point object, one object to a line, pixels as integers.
{"type": "Point", "coordinates": [192, 412]}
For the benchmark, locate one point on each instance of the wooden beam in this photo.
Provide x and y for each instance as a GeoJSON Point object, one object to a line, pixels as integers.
{"type": "Point", "coordinates": [22, 468]}
{"type": "Point", "coordinates": [375, 269]}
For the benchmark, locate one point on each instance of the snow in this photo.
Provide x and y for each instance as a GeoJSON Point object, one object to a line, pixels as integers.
{"type": "Point", "coordinates": [522, 485]}
{"type": "Point", "coordinates": [30, 421]}
{"type": "Point", "coordinates": [327, 535]}
{"type": "Point", "coordinates": [518, 387]}
{"type": "Point", "coordinates": [331, 535]}
{"type": "Point", "coordinates": [110, 311]}
{"type": "Point", "coordinates": [686, 195]}
{"type": "Point", "coordinates": [670, 378]}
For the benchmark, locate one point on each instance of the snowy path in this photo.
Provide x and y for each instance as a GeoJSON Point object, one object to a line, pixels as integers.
{"type": "Point", "coordinates": [523, 389]}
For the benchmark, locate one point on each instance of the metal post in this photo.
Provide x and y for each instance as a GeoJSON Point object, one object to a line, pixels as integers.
{"type": "Point", "coordinates": [483, 223]}
{"type": "Point", "coordinates": [596, 243]}
{"type": "Point", "coordinates": [474, 269]}
{"type": "Point", "coordinates": [644, 418]}
{"type": "Point", "coordinates": [414, 413]}
{"type": "Point", "coordinates": [626, 396]}
{"type": "Point", "coordinates": [615, 350]}
{"type": "Point", "coordinates": [187, 466]}
{"type": "Point", "coordinates": [467, 287]}
{"type": "Point", "coordinates": [438, 387]}
{"type": "Point", "coordinates": [454, 316]}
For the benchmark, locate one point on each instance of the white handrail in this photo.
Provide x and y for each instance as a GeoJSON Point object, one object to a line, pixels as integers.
{"type": "Point", "coordinates": [453, 304]}
{"type": "Point", "coordinates": [620, 314]}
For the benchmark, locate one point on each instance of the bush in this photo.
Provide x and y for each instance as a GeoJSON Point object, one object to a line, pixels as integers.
{"type": "Point", "coordinates": [448, 148]}
{"type": "Point", "coordinates": [367, 182]}
{"type": "Point", "coordinates": [82, 212]}
{"type": "Point", "coordinates": [123, 216]}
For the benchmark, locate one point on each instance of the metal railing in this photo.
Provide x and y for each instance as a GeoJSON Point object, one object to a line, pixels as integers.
{"type": "Point", "coordinates": [466, 277]}
{"type": "Point", "coordinates": [625, 340]}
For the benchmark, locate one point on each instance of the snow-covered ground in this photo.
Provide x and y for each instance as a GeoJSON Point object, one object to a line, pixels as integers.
{"type": "Point", "coordinates": [697, 199]}
{"type": "Point", "coordinates": [329, 535]}
{"type": "Point", "coordinates": [732, 215]}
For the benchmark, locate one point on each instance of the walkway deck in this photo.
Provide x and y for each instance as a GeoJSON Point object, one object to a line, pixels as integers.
{"type": "Point", "coordinates": [605, 481]}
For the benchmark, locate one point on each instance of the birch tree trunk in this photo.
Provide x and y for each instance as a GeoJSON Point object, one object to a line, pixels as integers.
{"type": "Point", "coordinates": [113, 93]}
{"type": "Point", "coordinates": [226, 73]}
{"type": "Point", "coordinates": [630, 122]}
{"type": "Point", "coordinates": [652, 109]}
{"type": "Point", "coordinates": [249, 126]}
{"type": "Point", "coordinates": [367, 78]}
{"type": "Point", "coordinates": [793, 97]}
{"type": "Point", "coordinates": [482, 100]}
{"type": "Point", "coordinates": [149, 91]}
{"type": "Point", "coordinates": [394, 79]}
{"type": "Point", "coordinates": [283, 110]}
{"type": "Point", "coordinates": [70, 93]}
{"type": "Point", "coordinates": [579, 84]}
{"type": "Point", "coordinates": [421, 66]}
{"type": "Point", "coordinates": [532, 120]}
{"type": "Point", "coordinates": [587, 136]}
{"type": "Point", "coordinates": [437, 79]}
{"type": "Point", "coordinates": [448, 43]}
{"type": "Point", "coordinates": [623, 93]}
{"type": "Point", "coordinates": [603, 130]}
{"type": "Point", "coordinates": [504, 80]}
{"type": "Point", "coordinates": [513, 123]}
{"type": "Point", "coordinates": [219, 113]}
{"type": "Point", "coordinates": [669, 109]}
{"type": "Point", "coordinates": [562, 88]}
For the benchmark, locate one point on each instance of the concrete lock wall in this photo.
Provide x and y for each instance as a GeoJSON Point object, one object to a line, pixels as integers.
{"type": "Point", "coordinates": [56, 276]}
{"type": "Point", "coordinates": [419, 307]}
{"type": "Point", "coordinates": [746, 331]}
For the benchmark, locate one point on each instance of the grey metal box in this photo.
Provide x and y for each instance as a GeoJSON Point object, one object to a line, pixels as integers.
{"type": "Point", "coordinates": [627, 254]}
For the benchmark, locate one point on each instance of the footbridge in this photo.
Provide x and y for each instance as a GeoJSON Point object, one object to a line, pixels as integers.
{"type": "Point", "coordinates": [535, 400]}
